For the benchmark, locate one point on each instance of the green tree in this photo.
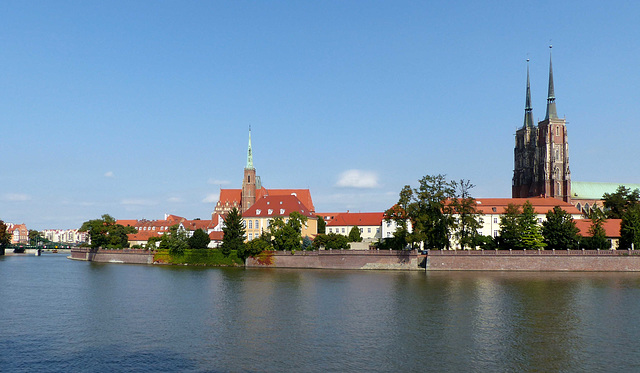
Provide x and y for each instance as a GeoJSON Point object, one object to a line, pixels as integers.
{"type": "Point", "coordinates": [559, 230]}
{"type": "Point", "coordinates": [428, 210]}
{"type": "Point", "coordinates": [531, 237]}
{"type": "Point", "coordinates": [331, 241]}
{"type": "Point", "coordinates": [256, 246]}
{"type": "Point", "coordinates": [34, 237]}
{"type": "Point", "coordinates": [307, 243]}
{"type": "Point", "coordinates": [5, 237]}
{"type": "Point", "coordinates": [401, 236]}
{"type": "Point", "coordinates": [630, 228]}
{"type": "Point", "coordinates": [322, 225]}
{"type": "Point", "coordinates": [510, 231]}
{"type": "Point", "coordinates": [287, 235]}
{"type": "Point", "coordinates": [597, 239]}
{"type": "Point", "coordinates": [234, 233]}
{"type": "Point", "coordinates": [354, 234]}
{"type": "Point", "coordinates": [105, 233]}
{"type": "Point", "coordinates": [467, 219]}
{"type": "Point", "coordinates": [175, 240]}
{"type": "Point", "coordinates": [199, 240]}
{"type": "Point", "coordinates": [615, 204]}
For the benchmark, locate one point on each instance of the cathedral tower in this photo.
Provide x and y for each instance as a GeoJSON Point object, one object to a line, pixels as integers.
{"type": "Point", "coordinates": [541, 154]}
{"type": "Point", "coordinates": [249, 182]}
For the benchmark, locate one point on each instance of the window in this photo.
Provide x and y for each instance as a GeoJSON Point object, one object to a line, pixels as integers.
{"type": "Point", "coordinates": [282, 212]}
{"type": "Point", "coordinates": [250, 236]}
{"type": "Point", "coordinates": [257, 224]}
{"type": "Point", "coordinates": [495, 233]}
{"type": "Point", "coordinates": [388, 234]}
{"type": "Point", "coordinates": [557, 131]}
{"type": "Point", "coordinates": [377, 230]}
{"type": "Point", "coordinates": [329, 230]}
{"type": "Point", "coordinates": [270, 211]}
{"type": "Point", "coordinates": [248, 178]}
{"type": "Point", "coordinates": [361, 230]}
{"type": "Point", "coordinates": [342, 230]}
{"type": "Point", "coordinates": [539, 220]}
{"type": "Point", "coordinates": [495, 220]}
{"type": "Point", "coordinates": [250, 225]}
{"type": "Point", "coordinates": [258, 211]}
{"type": "Point", "coordinates": [493, 209]}
{"type": "Point", "coordinates": [368, 230]}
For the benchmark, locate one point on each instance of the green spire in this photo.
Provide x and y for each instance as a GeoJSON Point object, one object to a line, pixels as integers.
{"type": "Point", "coordinates": [551, 98]}
{"type": "Point", "coordinates": [249, 153]}
{"type": "Point", "coordinates": [528, 115]}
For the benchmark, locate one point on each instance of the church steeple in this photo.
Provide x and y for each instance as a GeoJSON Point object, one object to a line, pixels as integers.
{"type": "Point", "coordinates": [551, 98]}
{"type": "Point", "coordinates": [528, 115]}
{"type": "Point", "coordinates": [249, 154]}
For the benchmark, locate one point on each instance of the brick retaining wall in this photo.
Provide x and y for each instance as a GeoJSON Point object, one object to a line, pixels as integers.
{"type": "Point", "coordinates": [339, 259]}
{"type": "Point", "coordinates": [535, 260]}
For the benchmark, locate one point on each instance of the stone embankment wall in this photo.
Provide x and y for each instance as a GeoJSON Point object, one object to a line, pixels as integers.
{"type": "Point", "coordinates": [534, 260]}
{"type": "Point", "coordinates": [339, 259]}
{"type": "Point", "coordinates": [129, 256]}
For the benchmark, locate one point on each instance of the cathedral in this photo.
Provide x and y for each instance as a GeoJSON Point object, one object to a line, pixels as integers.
{"type": "Point", "coordinates": [541, 154]}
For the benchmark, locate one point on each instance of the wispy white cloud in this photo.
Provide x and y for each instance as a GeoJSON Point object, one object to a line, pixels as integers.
{"type": "Point", "coordinates": [218, 182]}
{"type": "Point", "coordinates": [210, 198]}
{"type": "Point", "coordinates": [175, 199]}
{"type": "Point", "coordinates": [109, 174]}
{"type": "Point", "coordinates": [358, 179]}
{"type": "Point", "coordinates": [137, 202]}
{"type": "Point", "coordinates": [16, 197]}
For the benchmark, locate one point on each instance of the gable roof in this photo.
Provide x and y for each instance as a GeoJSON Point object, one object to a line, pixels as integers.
{"type": "Point", "coordinates": [193, 225]}
{"type": "Point", "coordinates": [357, 218]}
{"type": "Point", "coordinates": [235, 195]}
{"type": "Point", "coordinates": [277, 205]}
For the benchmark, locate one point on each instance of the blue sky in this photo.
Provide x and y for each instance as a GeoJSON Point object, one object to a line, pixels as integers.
{"type": "Point", "coordinates": [141, 108]}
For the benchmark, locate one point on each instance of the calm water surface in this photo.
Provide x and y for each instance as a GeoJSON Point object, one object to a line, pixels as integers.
{"type": "Point", "coordinates": [58, 315]}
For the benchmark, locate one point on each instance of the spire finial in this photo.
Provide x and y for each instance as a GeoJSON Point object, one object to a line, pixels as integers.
{"type": "Point", "coordinates": [528, 115]}
{"type": "Point", "coordinates": [249, 153]}
{"type": "Point", "coordinates": [551, 98]}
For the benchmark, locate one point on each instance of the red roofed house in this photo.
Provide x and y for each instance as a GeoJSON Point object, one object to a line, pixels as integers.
{"type": "Point", "coordinates": [19, 233]}
{"type": "Point", "coordinates": [252, 191]}
{"type": "Point", "coordinates": [611, 229]}
{"type": "Point", "coordinates": [369, 223]}
{"type": "Point", "coordinates": [258, 217]}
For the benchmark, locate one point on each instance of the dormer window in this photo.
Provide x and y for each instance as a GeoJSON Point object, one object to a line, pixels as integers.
{"type": "Point", "coordinates": [270, 211]}
{"type": "Point", "coordinates": [281, 211]}
{"type": "Point", "coordinates": [258, 211]}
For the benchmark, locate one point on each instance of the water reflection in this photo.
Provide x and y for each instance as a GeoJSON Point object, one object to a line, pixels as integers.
{"type": "Point", "coordinates": [103, 317]}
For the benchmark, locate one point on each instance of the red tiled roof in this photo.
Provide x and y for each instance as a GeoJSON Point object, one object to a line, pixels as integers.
{"type": "Point", "coordinates": [193, 225]}
{"type": "Point", "coordinates": [216, 236]}
{"type": "Point", "coordinates": [142, 236]}
{"type": "Point", "coordinates": [127, 222]}
{"type": "Point", "coordinates": [328, 216]}
{"type": "Point", "coordinates": [279, 205]}
{"type": "Point", "coordinates": [541, 205]}
{"type": "Point", "coordinates": [230, 195]}
{"type": "Point", "coordinates": [611, 227]}
{"type": "Point", "coordinates": [235, 195]}
{"type": "Point", "coordinates": [357, 218]}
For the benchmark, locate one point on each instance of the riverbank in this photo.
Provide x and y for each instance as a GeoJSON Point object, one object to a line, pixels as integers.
{"type": "Point", "coordinates": [403, 260]}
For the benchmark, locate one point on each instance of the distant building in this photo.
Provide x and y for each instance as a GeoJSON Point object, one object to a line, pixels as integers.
{"type": "Point", "coordinates": [19, 233]}
{"type": "Point", "coordinates": [587, 196]}
{"type": "Point", "coordinates": [66, 236]}
{"type": "Point", "coordinates": [259, 216]}
{"type": "Point", "coordinates": [369, 223]}
{"type": "Point", "coordinates": [611, 230]}
{"type": "Point", "coordinates": [156, 228]}
{"type": "Point", "coordinates": [541, 154]}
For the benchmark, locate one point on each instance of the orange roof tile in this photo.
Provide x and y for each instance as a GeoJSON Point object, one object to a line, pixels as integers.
{"type": "Point", "coordinates": [277, 205]}
{"type": "Point", "coordinates": [357, 218]}
{"type": "Point", "coordinates": [216, 236]}
{"type": "Point", "coordinates": [611, 227]}
{"type": "Point", "coordinates": [541, 205]}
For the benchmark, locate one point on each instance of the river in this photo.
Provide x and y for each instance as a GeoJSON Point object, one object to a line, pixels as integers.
{"type": "Point", "coordinates": [59, 315]}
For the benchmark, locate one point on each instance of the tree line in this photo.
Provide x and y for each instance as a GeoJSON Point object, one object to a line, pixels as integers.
{"type": "Point", "coordinates": [441, 211]}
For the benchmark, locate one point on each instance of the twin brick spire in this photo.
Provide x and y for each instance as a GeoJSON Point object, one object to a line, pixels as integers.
{"type": "Point", "coordinates": [552, 113]}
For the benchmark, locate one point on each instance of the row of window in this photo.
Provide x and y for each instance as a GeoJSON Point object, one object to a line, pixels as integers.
{"type": "Point", "coordinates": [338, 230]}
{"type": "Point", "coordinates": [269, 211]}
